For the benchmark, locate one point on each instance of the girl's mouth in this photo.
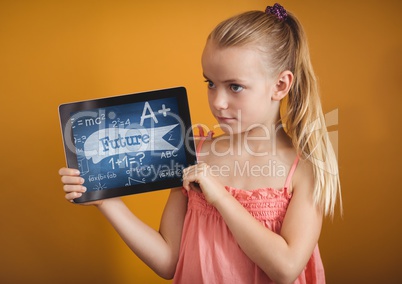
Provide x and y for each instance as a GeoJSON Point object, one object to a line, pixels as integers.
{"type": "Point", "coordinates": [225, 120]}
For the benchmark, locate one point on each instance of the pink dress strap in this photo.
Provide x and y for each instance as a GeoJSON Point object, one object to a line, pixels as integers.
{"type": "Point", "coordinates": [291, 172]}
{"type": "Point", "coordinates": [202, 137]}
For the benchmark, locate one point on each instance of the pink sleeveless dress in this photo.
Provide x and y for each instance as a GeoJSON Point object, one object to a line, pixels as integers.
{"type": "Point", "coordinates": [209, 254]}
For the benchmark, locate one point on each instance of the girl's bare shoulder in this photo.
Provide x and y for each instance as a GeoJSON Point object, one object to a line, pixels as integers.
{"type": "Point", "coordinates": [304, 175]}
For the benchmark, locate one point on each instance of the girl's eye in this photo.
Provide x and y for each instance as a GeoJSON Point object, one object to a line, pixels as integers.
{"type": "Point", "coordinates": [210, 84]}
{"type": "Point", "coordinates": [236, 88]}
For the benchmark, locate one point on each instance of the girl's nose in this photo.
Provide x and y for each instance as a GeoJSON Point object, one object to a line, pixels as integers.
{"type": "Point", "coordinates": [220, 100]}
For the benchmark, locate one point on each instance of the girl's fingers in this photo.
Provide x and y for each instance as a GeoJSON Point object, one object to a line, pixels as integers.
{"type": "Point", "coordinates": [69, 172]}
{"type": "Point", "coordinates": [73, 195]}
{"type": "Point", "coordinates": [196, 171]}
{"type": "Point", "coordinates": [72, 180]}
{"type": "Point", "coordinates": [73, 185]}
{"type": "Point", "coordinates": [74, 188]}
{"type": "Point", "coordinates": [192, 176]}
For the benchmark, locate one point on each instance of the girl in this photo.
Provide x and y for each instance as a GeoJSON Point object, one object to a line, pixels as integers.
{"type": "Point", "coordinates": [251, 210]}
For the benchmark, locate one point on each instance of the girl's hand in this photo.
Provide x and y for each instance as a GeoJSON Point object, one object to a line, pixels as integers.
{"type": "Point", "coordinates": [200, 177]}
{"type": "Point", "coordinates": [73, 185]}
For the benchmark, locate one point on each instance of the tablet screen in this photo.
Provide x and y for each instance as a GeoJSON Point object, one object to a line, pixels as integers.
{"type": "Point", "coordinates": [129, 144]}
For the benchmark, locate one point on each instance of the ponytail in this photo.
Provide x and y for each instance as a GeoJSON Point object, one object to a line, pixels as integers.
{"type": "Point", "coordinates": [305, 123]}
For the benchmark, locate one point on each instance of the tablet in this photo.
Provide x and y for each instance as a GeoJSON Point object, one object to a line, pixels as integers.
{"type": "Point", "coordinates": [128, 144]}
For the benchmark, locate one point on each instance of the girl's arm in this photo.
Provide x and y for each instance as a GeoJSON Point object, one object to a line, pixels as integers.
{"type": "Point", "coordinates": [283, 256]}
{"type": "Point", "coordinates": [158, 249]}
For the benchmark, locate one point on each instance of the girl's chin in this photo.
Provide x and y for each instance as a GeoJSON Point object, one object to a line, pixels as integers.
{"type": "Point", "coordinates": [237, 128]}
{"type": "Point", "coordinates": [231, 128]}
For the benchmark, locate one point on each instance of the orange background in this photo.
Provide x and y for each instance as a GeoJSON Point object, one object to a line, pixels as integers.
{"type": "Point", "coordinates": [52, 52]}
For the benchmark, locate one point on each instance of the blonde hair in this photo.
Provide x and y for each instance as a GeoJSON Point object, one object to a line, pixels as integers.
{"type": "Point", "coordinates": [284, 46]}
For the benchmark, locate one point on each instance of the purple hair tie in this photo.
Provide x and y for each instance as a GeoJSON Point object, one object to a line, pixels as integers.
{"type": "Point", "coordinates": [278, 11]}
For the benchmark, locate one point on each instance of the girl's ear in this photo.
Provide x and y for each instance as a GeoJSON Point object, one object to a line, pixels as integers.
{"type": "Point", "coordinates": [282, 85]}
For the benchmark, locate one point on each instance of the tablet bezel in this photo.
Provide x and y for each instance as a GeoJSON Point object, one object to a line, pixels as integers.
{"type": "Point", "coordinates": [66, 109]}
